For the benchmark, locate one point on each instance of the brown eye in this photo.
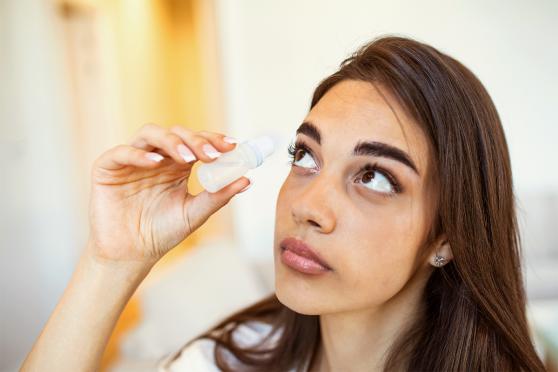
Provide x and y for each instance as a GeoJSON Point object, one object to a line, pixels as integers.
{"type": "Point", "coordinates": [297, 155]}
{"type": "Point", "coordinates": [368, 176]}
{"type": "Point", "coordinates": [378, 180]}
{"type": "Point", "coordinates": [300, 153]}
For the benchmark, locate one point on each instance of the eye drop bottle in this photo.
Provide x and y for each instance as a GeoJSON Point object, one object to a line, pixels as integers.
{"type": "Point", "coordinates": [233, 164]}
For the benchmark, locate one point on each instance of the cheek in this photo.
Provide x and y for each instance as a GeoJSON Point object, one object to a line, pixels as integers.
{"type": "Point", "coordinates": [380, 256]}
{"type": "Point", "coordinates": [282, 209]}
{"type": "Point", "coordinates": [285, 194]}
{"type": "Point", "coordinates": [288, 194]}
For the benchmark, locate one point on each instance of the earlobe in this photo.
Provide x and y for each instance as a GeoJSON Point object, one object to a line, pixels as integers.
{"type": "Point", "coordinates": [442, 255]}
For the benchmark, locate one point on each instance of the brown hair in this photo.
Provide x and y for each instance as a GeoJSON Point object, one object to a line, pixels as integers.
{"type": "Point", "coordinates": [474, 306]}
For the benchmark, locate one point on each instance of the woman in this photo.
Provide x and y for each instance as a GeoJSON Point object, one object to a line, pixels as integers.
{"type": "Point", "coordinates": [401, 190]}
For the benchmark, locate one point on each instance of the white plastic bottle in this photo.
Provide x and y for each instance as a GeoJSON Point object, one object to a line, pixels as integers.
{"type": "Point", "coordinates": [233, 164]}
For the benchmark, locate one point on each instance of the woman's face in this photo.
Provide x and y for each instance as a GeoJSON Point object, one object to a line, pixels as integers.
{"type": "Point", "coordinates": [366, 229]}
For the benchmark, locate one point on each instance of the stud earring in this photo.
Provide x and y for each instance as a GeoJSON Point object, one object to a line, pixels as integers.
{"type": "Point", "coordinates": [439, 261]}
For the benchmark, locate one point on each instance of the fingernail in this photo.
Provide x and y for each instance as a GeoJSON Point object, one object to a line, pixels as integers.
{"type": "Point", "coordinates": [247, 187]}
{"type": "Point", "coordinates": [154, 156]}
{"type": "Point", "coordinates": [228, 139]}
{"type": "Point", "coordinates": [210, 151]}
{"type": "Point", "coordinates": [186, 154]}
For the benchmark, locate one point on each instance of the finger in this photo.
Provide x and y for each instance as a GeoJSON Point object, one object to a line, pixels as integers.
{"type": "Point", "coordinates": [151, 137]}
{"type": "Point", "coordinates": [207, 146]}
{"type": "Point", "coordinates": [220, 141]}
{"type": "Point", "coordinates": [205, 203]}
{"type": "Point", "coordinates": [247, 186]}
{"type": "Point", "coordinates": [125, 155]}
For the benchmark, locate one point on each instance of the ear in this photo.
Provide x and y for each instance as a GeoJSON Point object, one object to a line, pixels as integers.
{"type": "Point", "coordinates": [441, 254]}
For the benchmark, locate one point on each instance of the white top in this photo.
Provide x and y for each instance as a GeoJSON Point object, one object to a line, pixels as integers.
{"type": "Point", "coordinates": [198, 356]}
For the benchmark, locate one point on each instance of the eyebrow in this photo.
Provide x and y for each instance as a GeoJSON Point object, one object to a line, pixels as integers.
{"type": "Point", "coordinates": [364, 148]}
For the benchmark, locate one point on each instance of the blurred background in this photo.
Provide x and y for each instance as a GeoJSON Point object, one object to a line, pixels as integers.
{"type": "Point", "coordinates": [80, 76]}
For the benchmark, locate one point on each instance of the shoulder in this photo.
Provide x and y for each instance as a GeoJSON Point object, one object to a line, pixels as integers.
{"type": "Point", "coordinates": [199, 355]}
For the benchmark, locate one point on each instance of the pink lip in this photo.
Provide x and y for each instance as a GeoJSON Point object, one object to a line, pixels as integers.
{"type": "Point", "coordinates": [299, 256]}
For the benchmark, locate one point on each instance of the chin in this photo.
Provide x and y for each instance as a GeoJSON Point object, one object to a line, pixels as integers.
{"type": "Point", "coordinates": [297, 294]}
{"type": "Point", "coordinates": [298, 303]}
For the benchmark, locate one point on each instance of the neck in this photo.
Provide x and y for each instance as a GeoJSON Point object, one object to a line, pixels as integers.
{"type": "Point", "coordinates": [360, 340]}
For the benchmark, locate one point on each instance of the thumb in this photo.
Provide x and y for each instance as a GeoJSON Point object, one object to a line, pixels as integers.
{"type": "Point", "coordinates": [204, 204]}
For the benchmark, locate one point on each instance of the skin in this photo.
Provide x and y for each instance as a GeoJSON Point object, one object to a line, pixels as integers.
{"type": "Point", "coordinates": [374, 244]}
{"type": "Point", "coordinates": [141, 207]}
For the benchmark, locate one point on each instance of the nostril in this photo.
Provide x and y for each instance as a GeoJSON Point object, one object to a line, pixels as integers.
{"type": "Point", "coordinates": [314, 223]}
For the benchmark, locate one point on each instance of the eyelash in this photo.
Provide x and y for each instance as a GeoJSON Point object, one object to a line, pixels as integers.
{"type": "Point", "coordinates": [299, 145]}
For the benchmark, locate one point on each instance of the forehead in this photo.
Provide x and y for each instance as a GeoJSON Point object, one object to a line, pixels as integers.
{"type": "Point", "coordinates": [355, 110]}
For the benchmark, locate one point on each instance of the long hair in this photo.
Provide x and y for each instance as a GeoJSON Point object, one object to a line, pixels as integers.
{"type": "Point", "coordinates": [474, 306]}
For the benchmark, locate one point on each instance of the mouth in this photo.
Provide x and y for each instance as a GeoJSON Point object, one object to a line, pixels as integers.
{"type": "Point", "coordinates": [299, 256]}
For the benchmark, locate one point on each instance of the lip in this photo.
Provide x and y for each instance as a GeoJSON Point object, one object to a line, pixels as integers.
{"type": "Point", "coordinates": [299, 256]}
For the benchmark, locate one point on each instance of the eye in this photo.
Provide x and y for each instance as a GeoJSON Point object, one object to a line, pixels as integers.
{"type": "Point", "coordinates": [301, 156]}
{"type": "Point", "coordinates": [379, 180]}
{"type": "Point", "coordinates": [371, 176]}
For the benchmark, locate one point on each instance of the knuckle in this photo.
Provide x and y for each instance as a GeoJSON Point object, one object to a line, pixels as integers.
{"type": "Point", "coordinates": [197, 141]}
{"type": "Point", "coordinates": [172, 139]}
{"type": "Point", "coordinates": [100, 159]}
{"type": "Point", "coordinates": [210, 134]}
{"type": "Point", "coordinates": [224, 203]}
{"type": "Point", "coordinates": [120, 148]}
{"type": "Point", "coordinates": [179, 129]}
{"type": "Point", "coordinates": [96, 163]}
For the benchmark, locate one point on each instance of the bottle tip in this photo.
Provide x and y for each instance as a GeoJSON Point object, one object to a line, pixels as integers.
{"type": "Point", "coordinates": [276, 138]}
{"type": "Point", "coordinates": [265, 144]}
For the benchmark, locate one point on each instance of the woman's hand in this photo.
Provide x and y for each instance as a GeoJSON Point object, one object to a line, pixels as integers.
{"type": "Point", "coordinates": [140, 208]}
{"type": "Point", "coordinates": [140, 205]}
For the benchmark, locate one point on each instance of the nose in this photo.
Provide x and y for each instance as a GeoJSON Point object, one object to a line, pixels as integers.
{"type": "Point", "coordinates": [312, 207]}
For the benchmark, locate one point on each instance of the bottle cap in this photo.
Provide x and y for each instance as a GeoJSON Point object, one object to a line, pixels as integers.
{"type": "Point", "coordinates": [263, 146]}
